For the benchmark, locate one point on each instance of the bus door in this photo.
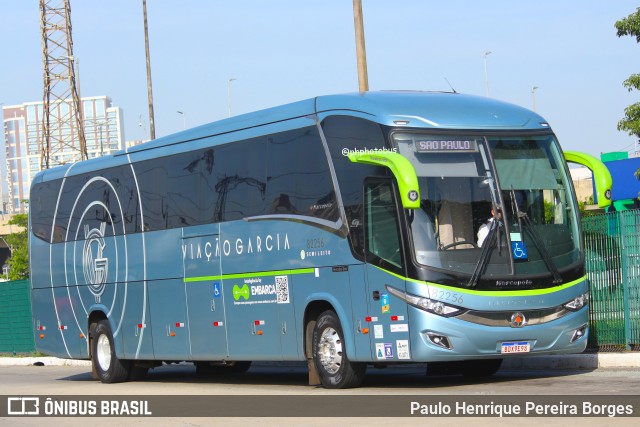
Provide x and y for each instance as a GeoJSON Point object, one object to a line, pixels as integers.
{"type": "Point", "coordinates": [166, 294]}
{"type": "Point", "coordinates": [388, 315]}
{"type": "Point", "coordinates": [205, 299]}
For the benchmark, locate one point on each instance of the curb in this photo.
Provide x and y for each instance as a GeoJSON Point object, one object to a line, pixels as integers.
{"type": "Point", "coordinates": [42, 361]}
{"type": "Point", "coordinates": [568, 361]}
{"type": "Point", "coordinates": [575, 361]}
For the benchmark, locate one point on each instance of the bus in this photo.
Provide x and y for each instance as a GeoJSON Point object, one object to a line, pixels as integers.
{"type": "Point", "coordinates": [341, 231]}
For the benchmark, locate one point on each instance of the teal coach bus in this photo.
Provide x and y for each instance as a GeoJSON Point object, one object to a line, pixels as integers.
{"type": "Point", "coordinates": [344, 231]}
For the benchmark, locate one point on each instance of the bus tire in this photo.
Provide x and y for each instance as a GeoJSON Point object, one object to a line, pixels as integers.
{"type": "Point", "coordinates": [107, 366]}
{"type": "Point", "coordinates": [330, 355]}
{"type": "Point", "coordinates": [480, 368]}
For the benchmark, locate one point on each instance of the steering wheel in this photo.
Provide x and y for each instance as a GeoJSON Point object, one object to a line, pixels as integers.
{"type": "Point", "coordinates": [454, 244]}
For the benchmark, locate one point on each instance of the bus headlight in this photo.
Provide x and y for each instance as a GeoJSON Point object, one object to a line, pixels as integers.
{"type": "Point", "coordinates": [427, 304]}
{"type": "Point", "coordinates": [577, 303]}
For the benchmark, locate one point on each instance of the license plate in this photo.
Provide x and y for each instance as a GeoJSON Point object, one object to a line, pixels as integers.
{"type": "Point", "coordinates": [516, 347]}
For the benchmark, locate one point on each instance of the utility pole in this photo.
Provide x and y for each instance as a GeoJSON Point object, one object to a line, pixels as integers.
{"type": "Point", "coordinates": [152, 126]}
{"type": "Point", "coordinates": [361, 53]}
{"type": "Point", "coordinates": [63, 139]}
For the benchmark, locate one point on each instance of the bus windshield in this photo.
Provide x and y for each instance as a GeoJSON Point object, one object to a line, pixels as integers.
{"type": "Point", "coordinates": [492, 206]}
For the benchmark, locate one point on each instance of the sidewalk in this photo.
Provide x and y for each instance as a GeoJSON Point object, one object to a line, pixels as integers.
{"type": "Point", "coordinates": [567, 361]}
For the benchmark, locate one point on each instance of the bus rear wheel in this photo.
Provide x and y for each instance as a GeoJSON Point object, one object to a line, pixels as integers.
{"type": "Point", "coordinates": [107, 366]}
{"type": "Point", "coordinates": [330, 355]}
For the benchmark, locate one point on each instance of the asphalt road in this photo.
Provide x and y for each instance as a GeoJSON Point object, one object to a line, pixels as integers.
{"type": "Point", "coordinates": [285, 381]}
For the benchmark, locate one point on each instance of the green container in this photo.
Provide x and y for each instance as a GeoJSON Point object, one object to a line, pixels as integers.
{"type": "Point", "coordinates": [615, 155]}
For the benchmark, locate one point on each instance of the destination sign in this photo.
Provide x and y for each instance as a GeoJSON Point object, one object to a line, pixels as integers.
{"type": "Point", "coordinates": [433, 145]}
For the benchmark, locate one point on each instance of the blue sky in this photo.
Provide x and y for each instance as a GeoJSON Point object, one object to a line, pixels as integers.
{"type": "Point", "coordinates": [282, 51]}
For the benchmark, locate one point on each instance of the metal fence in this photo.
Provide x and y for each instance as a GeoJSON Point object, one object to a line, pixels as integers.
{"type": "Point", "coordinates": [612, 243]}
{"type": "Point", "coordinates": [16, 332]}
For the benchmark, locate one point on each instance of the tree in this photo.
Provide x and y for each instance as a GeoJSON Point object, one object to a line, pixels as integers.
{"type": "Point", "coordinates": [19, 261]}
{"type": "Point", "coordinates": [630, 26]}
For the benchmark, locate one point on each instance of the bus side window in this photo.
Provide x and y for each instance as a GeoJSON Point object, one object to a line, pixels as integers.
{"type": "Point", "coordinates": [383, 241]}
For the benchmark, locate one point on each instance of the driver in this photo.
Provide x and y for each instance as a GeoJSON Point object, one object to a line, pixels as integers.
{"type": "Point", "coordinates": [483, 231]}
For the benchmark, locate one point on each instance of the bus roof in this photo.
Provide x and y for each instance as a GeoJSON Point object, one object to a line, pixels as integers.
{"type": "Point", "coordinates": [415, 109]}
{"type": "Point", "coordinates": [435, 110]}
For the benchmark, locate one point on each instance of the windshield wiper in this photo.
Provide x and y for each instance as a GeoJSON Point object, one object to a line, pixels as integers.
{"type": "Point", "coordinates": [523, 218]}
{"type": "Point", "coordinates": [541, 248]}
{"type": "Point", "coordinates": [492, 236]}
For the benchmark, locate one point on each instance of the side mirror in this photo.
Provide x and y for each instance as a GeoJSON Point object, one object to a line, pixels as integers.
{"type": "Point", "coordinates": [402, 170]}
{"type": "Point", "coordinates": [601, 175]}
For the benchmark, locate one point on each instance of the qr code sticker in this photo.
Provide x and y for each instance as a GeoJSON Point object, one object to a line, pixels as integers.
{"type": "Point", "coordinates": [282, 289]}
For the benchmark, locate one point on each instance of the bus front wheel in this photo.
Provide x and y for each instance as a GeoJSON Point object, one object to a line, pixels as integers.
{"type": "Point", "coordinates": [330, 355]}
{"type": "Point", "coordinates": [107, 366]}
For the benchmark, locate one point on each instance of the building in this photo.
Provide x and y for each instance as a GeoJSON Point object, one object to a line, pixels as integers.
{"type": "Point", "coordinates": [583, 183]}
{"type": "Point", "coordinates": [104, 133]}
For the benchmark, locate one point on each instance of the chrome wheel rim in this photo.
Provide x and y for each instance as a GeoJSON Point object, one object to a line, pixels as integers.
{"type": "Point", "coordinates": [103, 350]}
{"type": "Point", "coordinates": [330, 350]}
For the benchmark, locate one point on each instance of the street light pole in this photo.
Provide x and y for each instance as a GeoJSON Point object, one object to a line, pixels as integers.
{"type": "Point", "coordinates": [229, 94]}
{"type": "Point", "coordinates": [101, 123]}
{"type": "Point", "coordinates": [486, 74]}
{"type": "Point", "coordinates": [184, 119]}
{"type": "Point", "coordinates": [533, 95]}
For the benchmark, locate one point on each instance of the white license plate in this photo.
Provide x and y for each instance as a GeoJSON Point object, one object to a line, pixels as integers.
{"type": "Point", "coordinates": [516, 347]}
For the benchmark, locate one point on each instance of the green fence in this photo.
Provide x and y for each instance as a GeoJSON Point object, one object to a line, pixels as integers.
{"type": "Point", "coordinates": [16, 333]}
{"type": "Point", "coordinates": [612, 243]}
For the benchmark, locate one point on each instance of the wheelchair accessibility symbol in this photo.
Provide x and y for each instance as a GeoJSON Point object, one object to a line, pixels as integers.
{"type": "Point", "coordinates": [216, 290]}
{"type": "Point", "coordinates": [519, 250]}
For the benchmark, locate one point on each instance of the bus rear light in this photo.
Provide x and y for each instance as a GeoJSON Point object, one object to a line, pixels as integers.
{"type": "Point", "coordinates": [439, 340]}
{"type": "Point", "coordinates": [579, 333]}
{"type": "Point", "coordinates": [41, 336]}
